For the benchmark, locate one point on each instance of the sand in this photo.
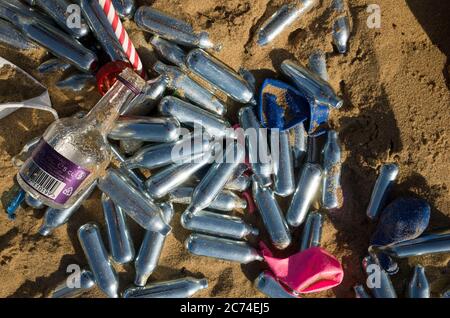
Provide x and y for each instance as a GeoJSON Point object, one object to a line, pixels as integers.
{"type": "Point", "coordinates": [16, 86]}
{"type": "Point", "coordinates": [395, 83]}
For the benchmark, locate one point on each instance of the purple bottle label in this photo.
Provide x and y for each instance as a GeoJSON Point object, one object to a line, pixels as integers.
{"type": "Point", "coordinates": [51, 174]}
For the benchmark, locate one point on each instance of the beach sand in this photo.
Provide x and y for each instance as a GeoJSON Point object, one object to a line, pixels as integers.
{"type": "Point", "coordinates": [395, 84]}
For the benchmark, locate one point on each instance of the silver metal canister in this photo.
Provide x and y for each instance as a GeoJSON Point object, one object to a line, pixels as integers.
{"type": "Point", "coordinates": [33, 202]}
{"type": "Point", "coordinates": [150, 129]}
{"type": "Point", "coordinates": [133, 174]}
{"type": "Point", "coordinates": [217, 224]}
{"type": "Point", "coordinates": [179, 288]}
{"type": "Point", "coordinates": [283, 167]}
{"type": "Point", "coordinates": [76, 82]}
{"type": "Point", "coordinates": [189, 89]}
{"type": "Point", "coordinates": [282, 18]}
{"type": "Point", "coordinates": [257, 145]}
{"type": "Point", "coordinates": [10, 36]}
{"type": "Point", "coordinates": [19, 7]}
{"type": "Point", "coordinates": [195, 116]}
{"type": "Point", "coordinates": [219, 75]}
{"type": "Point", "coordinates": [318, 64]}
{"type": "Point", "coordinates": [53, 65]}
{"type": "Point", "coordinates": [73, 289]}
{"type": "Point", "coordinates": [175, 175]}
{"type": "Point", "coordinates": [221, 248]}
{"type": "Point", "coordinates": [59, 11]}
{"type": "Point", "coordinates": [225, 200]}
{"type": "Point", "coordinates": [378, 280]}
{"type": "Point", "coordinates": [272, 216]}
{"type": "Point", "coordinates": [102, 29]}
{"type": "Point", "coordinates": [133, 201]}
{"type": "Point", "coordinates": [170, 28]}
{"type": "Point", "coordinates": [239, 184]}
{"type": "Point", "coordinates": [105, 276]}
{"type": "Point", "coordinates": [53, 39]}
{"type": "Point", "coordinates": [360, 292]}
{"type": "Point", "coordinates": [307, 189]}
{"type": "Point", "coordinates": [313, 85]}
{"type": "Point", "coordinates": [418, 286]}
{"type": "Point", "coordinates": [145, 102]}
{"type": "Point", "coordinates": [434, 243]}
{"type": "Point", "coordinates": [124, 8]}
{"type": "Point", "coordinates": [298, 140]}
{"type": "Point", "coordinates": [267, 284]}
{"type": "Point", "coordinates": [312, 232]}
{"type": "Point", "coordinates": [54, 218]}
{"type": "Point", "coordinates": [156, 156]}
{"type": "Point", "coordinates": [341, 34]}
{"type": "Point", "coordinates": [216, 177]}
{"type": "Point", "coordinates": [169, 51]}
{"type": "Point", "coordinates": [120, 242]}
{"type": "Point", "coordinates": [388, 174]}
{"type": "Point", "coordinates": [151, 248]}
{"type": "Point", "coordinates": [332, 195]}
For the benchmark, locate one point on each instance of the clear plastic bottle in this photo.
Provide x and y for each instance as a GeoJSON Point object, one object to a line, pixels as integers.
{"type": "Point", "coordinates": [74, 152]}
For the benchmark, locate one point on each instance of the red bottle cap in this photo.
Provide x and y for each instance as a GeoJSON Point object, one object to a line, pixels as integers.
{"type": "Point", "coordinates": [107, 75]}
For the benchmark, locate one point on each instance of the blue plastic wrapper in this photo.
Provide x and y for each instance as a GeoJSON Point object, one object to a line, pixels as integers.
{"type": "Point", "coordinates": [12, 201]}
{"type": "Point", "coordinates": [403, 219]}
{"type": "Point", "coordinates": [282, 106]}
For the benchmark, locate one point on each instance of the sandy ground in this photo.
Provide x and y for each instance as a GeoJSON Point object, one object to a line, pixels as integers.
{"type": "Point", "coordinates": [395, 83]}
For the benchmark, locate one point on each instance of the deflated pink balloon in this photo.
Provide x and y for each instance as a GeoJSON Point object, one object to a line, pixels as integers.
{"type": "Point", "coordinates": [310, 271]}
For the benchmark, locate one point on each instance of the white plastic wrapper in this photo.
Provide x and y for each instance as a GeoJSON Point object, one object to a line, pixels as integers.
{"type": "Point", "coordinates": [41, 102]}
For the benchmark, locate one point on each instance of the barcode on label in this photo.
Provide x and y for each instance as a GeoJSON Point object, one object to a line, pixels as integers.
{"type": "Point", "coordinates": [40, 180]}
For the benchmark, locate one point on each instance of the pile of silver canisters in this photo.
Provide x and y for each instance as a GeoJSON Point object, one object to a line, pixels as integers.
{"type": "Point", "coordinates": [379, 281]}
{"type": "Point", "coordinates": [186, 149]}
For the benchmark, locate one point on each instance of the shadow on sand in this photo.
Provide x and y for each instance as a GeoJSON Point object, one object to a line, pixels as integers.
{"type": "Point", "coordinates": [433, 15]}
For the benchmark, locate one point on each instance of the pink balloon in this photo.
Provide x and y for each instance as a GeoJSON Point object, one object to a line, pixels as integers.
{"type": "Point", "coordinates": [310, 271]}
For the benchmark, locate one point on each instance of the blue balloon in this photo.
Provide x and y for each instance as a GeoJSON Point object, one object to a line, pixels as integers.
{"type": "Point", "coordinates": [297, 108]}
{"type": "Point", "coordinates": [403, 219]}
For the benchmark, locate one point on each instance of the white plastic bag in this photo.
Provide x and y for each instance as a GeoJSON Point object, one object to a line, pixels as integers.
{"type": "Point", "coordinates": [41, 102]}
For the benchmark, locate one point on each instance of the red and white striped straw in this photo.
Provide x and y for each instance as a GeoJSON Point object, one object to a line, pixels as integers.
{"type": "Point", "coordinates": [122, 35]}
